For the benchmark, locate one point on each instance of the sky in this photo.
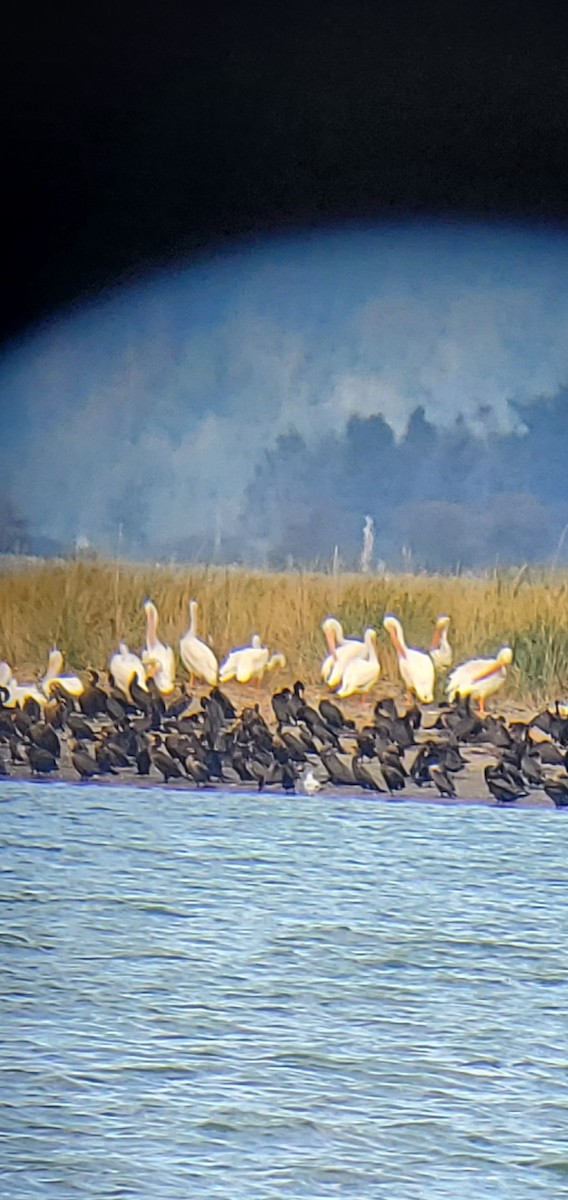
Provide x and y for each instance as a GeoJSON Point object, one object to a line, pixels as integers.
{"type": "Point", "coordinates": [144, 416]}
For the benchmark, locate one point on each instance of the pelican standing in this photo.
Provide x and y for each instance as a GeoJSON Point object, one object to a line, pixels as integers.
{"type": "Point", "coordinates": [196, 656]}
{"type": "Point", "coordinates": [361, 674]}
{"type": "Point", "coordinates": [341, 651]}
{"type": "Point", "coordinates": [440, 649]}
{"type": "Point", "coordinates": [415, 666]}
{"type": "Point", "coordinates": [479, 677]}
{"type": "Point", "coordinates": [55, 677]}
{"type": "Point", "coordinates": [123, 665]}
{"type": "Point", "coordinates": [156, 654]}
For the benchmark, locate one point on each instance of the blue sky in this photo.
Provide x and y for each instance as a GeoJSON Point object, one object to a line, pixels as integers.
{"type": "Point", "coordinates": [178, 383]}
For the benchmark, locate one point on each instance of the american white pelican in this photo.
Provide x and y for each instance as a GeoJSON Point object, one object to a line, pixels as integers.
{"type": "Point", "coordinates": [228, 669]}
{"type": "Point", "coordinates": [440, 649]}
{"type": "Point", "coordinates": [341, 651]}
{"type": "Point", "coordinates": [18, 693]}
{"type": "Point", "coordinates": [361, 674]}
{"type": "Point", "coordinates": [56, 677]}
{"type": "Point", "coordinates": [156, 654]}
{"type": "Point", "coordinates": [123, 665]}
{"type": "Point", "coordinates": [415, 666]}
{"type": "Point", "coordinates": [196, 656]}
{"type": "Point", "coordinates": [257, 662]}
{"type": "Point", "coordinates": [479, 677]}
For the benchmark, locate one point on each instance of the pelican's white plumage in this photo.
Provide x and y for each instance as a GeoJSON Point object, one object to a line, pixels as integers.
{"type": "Point", "coordinates": [361, 674]}
{"type": "Point", "coordinates": [415, 666]}
{"type": "Point", "coordinates": [341, 651]}
{"type": "Point", "coordinates": [18, 693]}
{"type": "Point", "coordinates": [123, 665]}
{"type": "Point", "coordinates": [156, 655]}
{"type": "Point", "coordinates": [56, 677]}
{"type": "Point", "coordinates": [440, 649]}
{"type": "Point", "coordinates": [256, 662]}
{"type": "Point", "coordinates": [196, 656]}
{"type": "Point", "coordinates": [479, 677]}
{"type": "Point", "coordinates": [228, 669]}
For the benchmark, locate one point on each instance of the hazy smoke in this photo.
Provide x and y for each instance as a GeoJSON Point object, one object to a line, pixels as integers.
{"type": "Point", "coordinates": [219, 409]}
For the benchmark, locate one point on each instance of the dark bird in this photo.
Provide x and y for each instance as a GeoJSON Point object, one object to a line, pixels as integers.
{"type": "Point", "coordinates": [84, 765]}
{"type": "Point", "coordinates": [333, 716]}
{"type": "Point", "coordinates": [165, 764]}
{"type": "Point", "coordinates": [557, 791]}
{"type": "Point", "coordinates": [140, 697]}
{"type": "Point", "coordinates": [393, 777]}
{"type": "Point", "coordinates": [143, 760]}
{"type": "Point", "coordinates": [41, 761]}
{"type": "Point", "coordinates": [442, 781]}
{"type": "Point", "coordinates": [196, 770]}
{"type": "Point", "coordinates": [339, 771]}
{"type": "Point", "coordinates": [80, 728]}
{"type": "Point", "coordinates": [93, 700]}
{"type": "Point", "coordinates": [229, 710]}
{"type": "Point", "coordinates": [45, 737]}
{"type": "Point", "coordinates": [502, 786]}
{"type": "Point", "coordinates": [32, 708]}
{"type": "Point", "coordinates": [281, 706]}
{"type": "Point", "coordinates": [550, 755]}
{"type": "Point", "coordinates": [364, 775]}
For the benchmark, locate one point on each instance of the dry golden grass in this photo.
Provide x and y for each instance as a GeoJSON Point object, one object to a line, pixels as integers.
{"type": "Point", "coordinates": [86, 607]}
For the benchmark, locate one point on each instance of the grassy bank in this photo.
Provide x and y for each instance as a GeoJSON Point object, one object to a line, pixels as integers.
{"type": "Point", "coordinates": [86, 607]}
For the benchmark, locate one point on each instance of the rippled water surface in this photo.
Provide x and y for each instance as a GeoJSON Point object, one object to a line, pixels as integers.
{"type": "Point", "coordinates": [241, 997]}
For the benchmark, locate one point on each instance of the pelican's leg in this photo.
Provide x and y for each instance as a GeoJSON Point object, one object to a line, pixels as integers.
{"type": "Point", "coordinates": [409, 699]}
{"type": "Point", "coordinates": [482, 712]}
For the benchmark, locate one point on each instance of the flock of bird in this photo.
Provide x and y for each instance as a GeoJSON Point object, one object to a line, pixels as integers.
{"type": "Point", "coordinates": [141, 724]}
{"type": "Point", "coordinates": [351, 667]}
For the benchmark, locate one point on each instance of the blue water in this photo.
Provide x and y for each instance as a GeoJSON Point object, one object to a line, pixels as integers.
{"type": "Point", "coordinates": [241, 997]}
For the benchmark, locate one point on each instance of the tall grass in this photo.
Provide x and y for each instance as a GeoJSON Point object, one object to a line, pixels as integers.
{"type": "Point", "coordinates": [87, 607]}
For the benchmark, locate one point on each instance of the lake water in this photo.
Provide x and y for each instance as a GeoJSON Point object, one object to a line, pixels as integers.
{"type": "Point", "coordinates": [241, 997]}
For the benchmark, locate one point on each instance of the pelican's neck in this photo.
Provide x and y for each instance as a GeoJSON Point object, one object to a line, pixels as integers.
{"type": "Point", "coordinates": [151, 624]}
{"type": "Point", "coordinates": [55, 663]}
{"type": "Point", "coordinates": [440, 637]}
{"type": "Point", "coordinates": [370, 643]}
{"type": "Point", "coordinates": [333, 631]}
{"type": "Point", "coordinates": [397, 637]}
{"type": "Point", "coordinates": [193, 618]}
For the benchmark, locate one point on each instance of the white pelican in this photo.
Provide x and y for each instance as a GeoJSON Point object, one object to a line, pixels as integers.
{"type": "Point", "coordinates": [256, 663]}
{"type": "Point", "coordinates": [196, 656]}
{"type": "Point", "coordinates": [440, 649]}
{"type": "Point", "coordinates": [480, 677]}
{"type": "Point", "coordinates": [361, 674]}
{"type": "Point", "coordinates": [341, 651]}
{"type": "Point", "coordinates": [56, 677]}
{"type": "Point", "coordinates": [18, 693]}
{"type": "Point", "coordinates": [415, 666]}
{"type": "Point", "coordinates": [228, 669]}
{"type": "Point", "coordinates": [123, 665]}
{"type": "Point", "coordinates": [156, 654]}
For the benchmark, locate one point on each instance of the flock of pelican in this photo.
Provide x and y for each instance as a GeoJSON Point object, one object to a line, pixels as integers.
{"type": "Point", "coordinates": [351, 666]}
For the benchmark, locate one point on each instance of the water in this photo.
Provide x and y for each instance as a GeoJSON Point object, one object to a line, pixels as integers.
{"type": "Point", "coordinates": [241, 997]}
